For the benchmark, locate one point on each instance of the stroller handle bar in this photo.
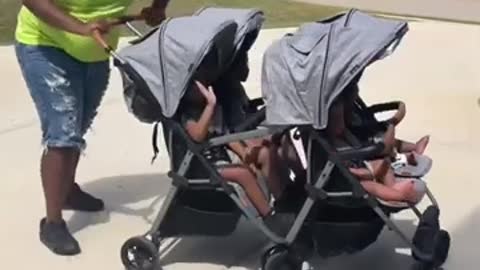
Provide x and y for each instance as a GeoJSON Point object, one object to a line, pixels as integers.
{"type": "Point", "coordinates": [124, 20]}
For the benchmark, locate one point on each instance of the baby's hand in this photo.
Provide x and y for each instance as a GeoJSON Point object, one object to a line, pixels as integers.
{"type": "Point", "coordinates": [207, 93]}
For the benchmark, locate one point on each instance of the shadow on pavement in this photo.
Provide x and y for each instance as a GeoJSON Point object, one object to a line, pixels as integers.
{"type": "Point", "coordinates": [244, 248]}
{"type": "Point", "coordinates": [465, 240]}
{"type": "Point", "coordinates": [118, 192]}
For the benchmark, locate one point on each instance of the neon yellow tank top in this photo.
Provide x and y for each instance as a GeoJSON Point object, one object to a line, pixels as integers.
{"type": "Point", "coordinates": [33, 31]}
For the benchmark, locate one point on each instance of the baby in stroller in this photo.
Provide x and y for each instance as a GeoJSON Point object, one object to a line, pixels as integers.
{"type": "Point", "coordinates": [203, 116]}
{"type": "Point", "coordinates": [376, 176]}
{"type": "Point", "coordinates": [259, 154]}
{"type": "Point", "coordinates": [407, 158]}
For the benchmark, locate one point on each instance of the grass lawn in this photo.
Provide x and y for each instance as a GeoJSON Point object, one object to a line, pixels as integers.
{"type": "Point", "coordinates": [279, 13]}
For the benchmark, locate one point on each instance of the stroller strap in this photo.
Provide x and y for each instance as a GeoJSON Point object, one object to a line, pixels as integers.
{"type": "Point", "coordinates": [155, 142]}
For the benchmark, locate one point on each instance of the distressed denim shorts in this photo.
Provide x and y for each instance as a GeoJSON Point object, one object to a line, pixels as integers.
{"type": "Point", "coordinates": [66, 92]}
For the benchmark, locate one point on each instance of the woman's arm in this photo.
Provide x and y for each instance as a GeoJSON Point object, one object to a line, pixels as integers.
{"type": "Point", "coordinates": [155, 14]}
{"type": "Point", "coordinates": [160, 3]}
{"type": "Point", "coordinates": [47, 11]}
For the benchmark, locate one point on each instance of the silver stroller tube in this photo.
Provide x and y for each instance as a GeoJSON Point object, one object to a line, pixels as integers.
{"type": "Point", "coordinates": [134, 30]}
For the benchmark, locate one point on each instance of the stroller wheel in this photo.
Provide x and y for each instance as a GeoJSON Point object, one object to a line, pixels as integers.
{"type": "Point", "coordinates": [442, 248]}
{"type": "Point", "coordinates": [139, 253]}
{"type": "Point", "coordinates": [279, 258]}
{"type": "Point", "coordinates": [440, 252]}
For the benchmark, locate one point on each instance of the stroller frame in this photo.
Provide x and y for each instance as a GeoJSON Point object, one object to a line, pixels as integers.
{"type": "Point", "coordinates": [316, 191]}
{"type": "Point", "coordinates": [149, 243]}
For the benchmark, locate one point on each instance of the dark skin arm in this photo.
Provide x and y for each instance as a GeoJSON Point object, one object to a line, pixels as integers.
{"type": "Point", "coordinates": [160, 3]}
{"type": "Point", "coordinates": [155, 14]}
{"type": "Point", "coordinates": [50, 13]}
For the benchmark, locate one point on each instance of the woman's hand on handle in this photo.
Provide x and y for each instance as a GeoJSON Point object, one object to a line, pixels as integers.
{"type": "Point", "coordinates": [155, 14]}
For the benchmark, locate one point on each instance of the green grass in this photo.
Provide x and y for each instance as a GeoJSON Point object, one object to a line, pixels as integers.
{"type": "Point", "coordinates": [8, 16]}
{"type": "Point", "coordinates": [279, 13]}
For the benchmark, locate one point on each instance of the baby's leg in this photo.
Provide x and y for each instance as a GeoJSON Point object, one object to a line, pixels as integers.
{"type": "Point", "coordinates": [245, 178]}
{"type": "Point", "coordinates": [270, 164]}
{"type": "Point", "coordinates": [380, 167]}
{"type": "Point", "coordinates": [362, 173]}
{"type": "Point", "coordinates": [407, 188]}
{"type": "Point", "coordinates": [404, 146]}
{"type": "Point", "coordinates": [389, 140]}
{"type": "Point", "coordinates": [422, 144]}
{"type": "Point", "coordinates": [418, 147]}
{"type": "Point", "coordinates": [399, 193]}
{"type": "Point", "coordinates": [388, 179]}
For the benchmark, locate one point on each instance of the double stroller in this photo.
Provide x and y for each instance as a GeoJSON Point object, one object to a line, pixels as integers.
{"type": "Point", "coordinates": [303, 73]}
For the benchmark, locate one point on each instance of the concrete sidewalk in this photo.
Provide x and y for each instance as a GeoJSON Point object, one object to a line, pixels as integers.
{"type": "Point", "coordinates": [456, 10]}
{"type": "Point", "coordinates": [437, 78]}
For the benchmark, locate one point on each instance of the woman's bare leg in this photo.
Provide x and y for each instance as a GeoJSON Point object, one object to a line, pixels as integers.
{"type": "Point", "coordinates": [245, 178]}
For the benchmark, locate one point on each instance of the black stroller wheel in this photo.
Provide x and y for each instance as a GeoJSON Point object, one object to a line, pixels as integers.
{"type": "Point", "coordinates": [440, 255]}
{"type": "Point", "coordinates": [139, 253]}
{"type": "Point", "coordinates": [442, 248]}
{"type": "Point", "coordinates": [279, 258]}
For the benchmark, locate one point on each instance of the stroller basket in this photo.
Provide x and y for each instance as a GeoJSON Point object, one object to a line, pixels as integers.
{"type": "Point", "coordinates": [336, 238]}
{"type": "Point", "coordinates": [333, 235]}
{"type": "Point", "coordinates": [201, 212]}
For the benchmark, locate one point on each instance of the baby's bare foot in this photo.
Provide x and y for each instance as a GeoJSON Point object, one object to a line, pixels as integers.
{"type": "Point", "coordinates": [411, 160]}
{"type": "Point", "coordinates": [421, 145]}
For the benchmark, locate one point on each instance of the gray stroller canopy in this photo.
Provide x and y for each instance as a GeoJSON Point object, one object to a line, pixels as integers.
{"type": "Point", "coordinates": [169, 56]}
{"type": "Point", "coordinates": [305, 71]}
{"type": "Point", "coordinates": [249, 22]}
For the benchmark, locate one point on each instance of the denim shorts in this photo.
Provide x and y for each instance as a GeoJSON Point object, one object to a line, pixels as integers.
{"type": "Point", "coordinates": [65, 91]}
